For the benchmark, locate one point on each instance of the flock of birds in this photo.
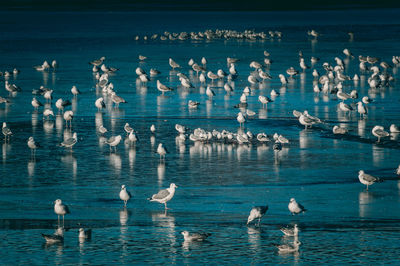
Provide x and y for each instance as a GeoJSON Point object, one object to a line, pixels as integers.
{"type": "Point", "coordinates": [330, 83]}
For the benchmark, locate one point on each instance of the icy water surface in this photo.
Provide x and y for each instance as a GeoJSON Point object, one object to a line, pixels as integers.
{"type": "Point", "coordinates": [218, 183]}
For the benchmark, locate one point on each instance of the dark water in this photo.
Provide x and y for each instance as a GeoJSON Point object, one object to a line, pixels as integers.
{"type": "Point", "coordinates": [218, 182]}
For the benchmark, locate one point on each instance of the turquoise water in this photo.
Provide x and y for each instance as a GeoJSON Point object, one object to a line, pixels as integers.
{"type": "Point", "coordinates": [218, 183]}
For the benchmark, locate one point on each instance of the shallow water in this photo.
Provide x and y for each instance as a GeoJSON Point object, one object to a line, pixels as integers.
{"type": "Point", "coordinates": [218, 182]}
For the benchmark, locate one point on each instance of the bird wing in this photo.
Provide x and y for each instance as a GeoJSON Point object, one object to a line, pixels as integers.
{"type": "Point", "coordinates": [66, 209]}
{"type": "Point", "coordinates": [199, 236]}
{"type": "Point", "coordinates": [161, 194]}
{"type": "Point", "coordinates": [301, 207]}
{"type": "Point", "coordinates": [110, 140]}
{"type": "Point", "coordinates": [68, 142]}
{"type": "Point", "coordinates": [369, 178]}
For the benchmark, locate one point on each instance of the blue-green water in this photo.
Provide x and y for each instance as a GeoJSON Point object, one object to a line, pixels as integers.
{"type": "Point", "coordinates": [218, 182]}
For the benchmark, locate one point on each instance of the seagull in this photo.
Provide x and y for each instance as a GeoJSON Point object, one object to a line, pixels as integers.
{"type": "Point", "coordinates": [193, 104]}
{"type": "Point", "coordinates": [60, 209]}
{"type": "Point", "coordinates": [173, 64]}
{"type": "Point", "coordinates": [342, 95]}
{"type": "Point", "coordinates": [366, 100]}
{"type": "Point", "coordinates": [113, 142]}
{"type": "Point", "coordinates": [6, 131]}
{"type": "Point", "coordinates": [48, 95]}
{"type": "Point", "coordinates": [3, 100]}
{"type": "Point", "coordinates": [75, 91]}
{"type": "Point", "coordinates": [60, 104]}
{"type": "Point", "coordinates": [289, 248]}
{"type": "Point", "coordinates": [161, 151]}
{"type": "Point", "coordinates": [102, 130]}
{"type": "Point", "coordinates": [240, 118]}
{"type": "Point", "coordinates": [181, 129]}
{"type": "Point", "coordinates": [262, 137]}
{"type": "Point", "coordinates": [68, 116]}
{"type": "Point", "coordinates": [35, 103]}
{"type": "Point", "coordinates": [339, 130]}
{"type": "Point", "coordinates": [33, 145]}
{"type": "Point", "coordinates": [264, 100]}
{"type": "Point", "coordinates": [290, 232]}
{"type": "Point", "coordinates": [124, 195]}
{"type": "Point", "coordinates": [195, 236]}
{"type": "Point", "coordinates": [367, 179]}
{"type": "Point", "coordinates": [127, 128]}
{"type": "Point", "coordinates": [361, 109]}
{"type": "Point", "coordinates": [51, 239]}
{"type": "Point", "coordinates": [98, 62]}
{"type": "Point", "coordinates": [68, 143]}
{"type": "Point", "coordinates": [345, 107]}
{"type": "Point", "coordinates": [394, 129]}
{"type": "Point", "coordinates": [294, 207]}
{"type": "Point", "coordinates": [165, 195]}
{"type": "Point", "coordinates": [132, 137]}
{"type": "Point", "coordinates": [204, 61]}
{"type": "Point", "coordinates": [379, 132]}
{"type": "Point", "coordinates": [211, 76]}
{"type": "Point", "coordinates": [161, 87]}
{"type": "Point", "coordinates": [117, 99]}
{"type": "Point", "coordinates": [209, 92]}
{"type": "Point", "coordinates": [257, 212]}
{"type": "Point", "coordinates": [152, 129]}
{"type": "Point", "coordinates": [85, 234]}
{"type": "Point", "coordinates": [11, 87]}
{"type": "Point", "coordinates": [99, 103]}
{"type": "Point", "coordinates": [47, 112]}
{"type": "Point", "coordinates": [307, 120]}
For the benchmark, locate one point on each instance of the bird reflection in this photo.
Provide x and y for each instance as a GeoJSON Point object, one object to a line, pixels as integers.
{"type": "Point", "coordinates": [48, 127]}
{"type": "Point", "coordinates": [152, 141]}
{"type": "Point", "coordinates": [115, 161]}
{"type": "Point", "coordinates": [70, 160]}
{"type": "Point", "coordinates": [262, 113]}
{"type": "Point", "coordinates": [160, 173]}
{"type": "Point", "coordinates": [99, 119]}
{"type": "Point", "coordinates": [378, 154]}
{"type": "Point", "coordinates": [102, 141]}
{"type": "Point", "coordinates": [364, 199]}
{"type": "Point", "coordinates": [304, 139]}
{"type": "Point", "coordinates": [6, 148]}
{"type": "Point", "coordinates": [132, 158]}
{"type": "Point", "coordinates": [31, 167]}
{"type": "Point", "coordinates": [124, 216]}
{"type": "Point", "coordinates": [35, 116]}
{"type": "Point", "coordinates": [59, 124]}
{"type": "Point", "coordinates": [165, 228]}
{"type": "Point", "coordinates": [254, 235]}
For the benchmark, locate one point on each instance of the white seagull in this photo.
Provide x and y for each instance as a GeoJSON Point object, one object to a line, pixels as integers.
{"type": "Point", "coordinates": [6, 131]}
{"type": "Point", "coordinates": [286, 248]}
{"type": "Point", "coordinates": [165, 195]}
{"type": "Point", "coordinates": [68, 143]}
{"type": "Point", "coordinates": [294, 207]}
{"type": "Point", "coordinates": [257, 212]}
{"type": "Point", "coordinates": [367, 179]}
{"type": "Point", "coordinates": [195, 236]}
{"type": "Point", "coordinates": [290, 231]}
{"type": "Point", "coordinates": [124, 195]}
{"type": "Point", "coordinates": [113, 142]}
{"type": "Point", "coordinates": [161, 151]}
{"type": "Point", "coordinates": [379, 132]}
{"type": "Point", "coordinates": [60, 209]}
